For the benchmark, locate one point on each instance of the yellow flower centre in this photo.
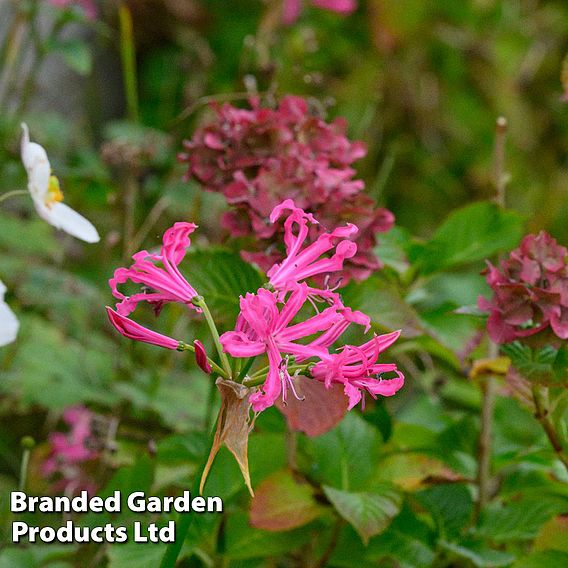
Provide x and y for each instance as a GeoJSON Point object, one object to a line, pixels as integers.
{"type": "Point", "coordinates": [54, 193]}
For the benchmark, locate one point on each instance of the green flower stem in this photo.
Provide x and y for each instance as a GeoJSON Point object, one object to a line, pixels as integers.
{"type": "Point", "coordinates": [13, 193]}
{"type": "Point", "coordinates": [542, 414]}
{"type": "Point", "coordinates": [187, 347]}
{"type": "Point", "coordinates": [199, 301]}
{"type": "Point", "coordinates": [259, 377]}
{"type": "Point", "coordinates": [246, 368]}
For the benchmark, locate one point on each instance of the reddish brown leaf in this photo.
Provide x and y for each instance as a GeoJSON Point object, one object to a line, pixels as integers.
{"type": "Point", "coordinates": [320, 410]}
{"type": "Point", "coordinates": [283, 501]}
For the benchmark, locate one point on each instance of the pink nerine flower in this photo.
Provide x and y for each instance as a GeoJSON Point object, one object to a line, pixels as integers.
{"type": "Point", "coordinates": [530, 291]}
{"type": "Point", "coordinates": [291, 8]}
{"type": "Point", "coordinates": [302, 263]}
{"type": "Point", "coordinates": [161, 284]}
{"type": "Point", "coordinates": [89, 6]}
{"type": "Point", "coordinates": [357, 369]}
{"type": "Point", "coordinates": [133, 330]}
{"type": "Point", "coordinates": [263, 328]}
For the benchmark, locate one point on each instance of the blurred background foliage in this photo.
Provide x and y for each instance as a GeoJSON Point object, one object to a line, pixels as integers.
{"type": "Point", "coordinates": [421, 83]}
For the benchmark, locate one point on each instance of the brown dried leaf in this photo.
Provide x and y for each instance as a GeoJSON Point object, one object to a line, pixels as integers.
{"type": "Point", "coordinates": [320, 410]}
{"type": "Point", "coordinates": [233, 428]}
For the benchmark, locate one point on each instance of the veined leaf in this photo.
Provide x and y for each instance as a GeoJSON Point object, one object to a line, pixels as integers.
{"type": "Point", "coordinates": [369, 513]}
{"type": "Point", "coordinates": [221, 276]}
{"type": "Point", "coordinates": [470, 234]}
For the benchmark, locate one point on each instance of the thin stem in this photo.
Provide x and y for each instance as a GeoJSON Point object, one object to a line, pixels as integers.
{"type": "Point", "coordinates": [27, 443]}
{"type": "Point", "coordinates": [484, 443]}
{"type": "Point", "coordinates": [130, 195]}
{"type": "Point", "coordinates": [260, 376]}
{"type": "Point", "coordinates": [13, 193]}
{"type": "Point", "coordinates": [155, 213]}
{"type": "Point", "coordinates": [500, 176]}
{"type": "Point", "coordinates": [199, 301]}
{"type": "Point", "coordinates": [246, 368]}
{"type": "Point", "coordinates": [542, 414]}
{"type": "Point", "coordinates": [128, 57]}
{"type": "Point", "coordinates": [332, 544]}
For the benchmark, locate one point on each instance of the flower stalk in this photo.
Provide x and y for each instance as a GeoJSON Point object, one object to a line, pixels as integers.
{"type": "Point", "coordinates": [199, 302]}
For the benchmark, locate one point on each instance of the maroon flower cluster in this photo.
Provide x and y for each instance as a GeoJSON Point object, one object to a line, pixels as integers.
{"type": "Point", "coordinates": [530, 291]}
{"type": "Point", "coordinates": [258, 158]}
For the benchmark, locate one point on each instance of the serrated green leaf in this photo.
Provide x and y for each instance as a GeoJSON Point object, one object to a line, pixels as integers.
{"type": "Point", "coordinates": [470, 234]}
{"type": "Point", "coordinates": [546, 365]}
{"type": "Point", "coordinates": [368, 512]}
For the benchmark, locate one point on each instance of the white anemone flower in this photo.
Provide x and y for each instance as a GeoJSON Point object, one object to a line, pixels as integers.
{"type": "Point", "coordinates": [47, 196]}
{"type": "Point", "coordinates": [8, 322]}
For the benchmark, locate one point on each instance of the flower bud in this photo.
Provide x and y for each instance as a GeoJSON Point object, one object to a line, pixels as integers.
{"type": "Point", "coordinates": [201, 357]}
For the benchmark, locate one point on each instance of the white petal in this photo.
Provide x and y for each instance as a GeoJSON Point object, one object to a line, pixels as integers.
{"type": "Point", "coordinates": [63, 217]}
{"type": "Point", "coordinates": [37, 165]}
{"type": "Point", "coordinates": [8, 322]}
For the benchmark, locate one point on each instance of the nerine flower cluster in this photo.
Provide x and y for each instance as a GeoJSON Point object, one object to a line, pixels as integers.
{"type": "Point", "coordinates": [257, 158]}
{"type": "Point", "coordinates": [530, 291]}
{"type": "Point", "coordinates": [281, 321]}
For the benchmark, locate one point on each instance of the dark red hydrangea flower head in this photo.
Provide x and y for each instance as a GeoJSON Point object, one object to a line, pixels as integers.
{"type": "Point", "coordinates": [530, 291]}
{"type": "Point", "coordinates": [259, 157]}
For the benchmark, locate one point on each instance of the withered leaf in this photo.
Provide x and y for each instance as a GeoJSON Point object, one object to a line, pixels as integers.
{"type": "Point", "coordinates": [233, 428]}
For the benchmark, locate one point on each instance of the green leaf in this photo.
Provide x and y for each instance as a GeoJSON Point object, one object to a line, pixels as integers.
{"type": "Point", "coordinates": [543, 559]}
{"type": "Point", "coordinates": [404, 549]}
{"type": "Point", "coordinates": [470, 234]}
{"type": "Point", "coordinates": [221, 276]}
{"type": "Point", "coordinates": [517, 520]}
{"type": "Point", "coordinates": [547, 365]}
{"type": "Point", "coordinates": [368, 513]}
{"type": "Point", "coordinates": [76, 54]}
{"type": "Point", "coordinates": [346, 456]}
{"type": "Point", "coordinates": [283, 502]}
{"type": "Point", "coordinates": [381, 300]}
{"type": "Point", "coordinates": [479, 555]}
{"type": "Point", "coordinates": [450, 505]}
{"type": "Point", "coordinates": [244, 541]}
{"type": "Point", "coordinates": [135, 555]}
